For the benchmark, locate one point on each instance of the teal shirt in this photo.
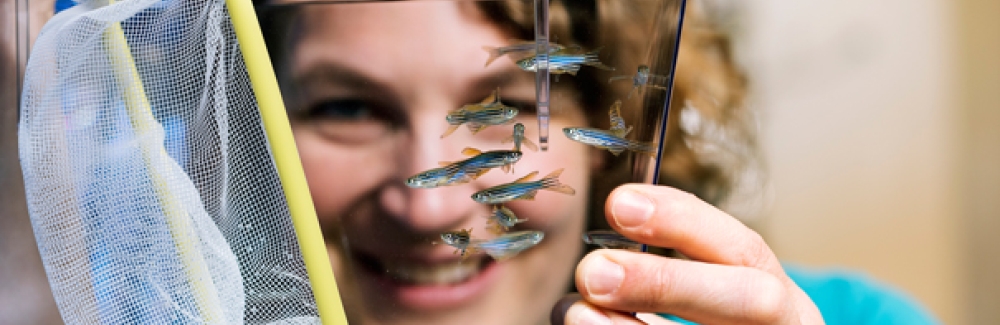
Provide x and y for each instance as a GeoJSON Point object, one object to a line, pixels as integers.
{"type": "Point", "coordinates": [852, 298]}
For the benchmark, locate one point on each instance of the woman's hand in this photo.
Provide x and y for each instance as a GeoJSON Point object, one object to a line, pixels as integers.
{"type": "Point", "coordinates": [732, 277]}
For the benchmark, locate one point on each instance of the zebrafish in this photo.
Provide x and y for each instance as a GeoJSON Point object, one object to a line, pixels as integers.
{"type": "Point", "coordinates": [507, 245]}
{"type": "Point", "coordinates": [518, 139]}
{"type": "Point", "coordinates": [607, 140]}
{"type": "Point", "coordinates": [643, 78]}
{"type": "Point", "coordinates": [478, 116]}
{"type": "Point", "coordinates": [518, 47]}
{"type": "Point", "coordinates": [460, 240]}
{"type": "Point", "coordinates": [562, 63]}
{"type": "Point", "coordinates": [522, 189]}
{"type": "Point", "coordinates": [482, 162]}
{"type": "Point", "coordinates": [618, 127]}
{"type": "Point", "coordinates": [437, 177]}
{"type": "Point", "coordinates": [610, 239]}
{"type": "Point", "coordinates": [501, 220]}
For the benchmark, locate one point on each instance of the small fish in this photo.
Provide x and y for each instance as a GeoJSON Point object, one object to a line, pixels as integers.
{"type": "Point", "coordinates": [607, 140]}
{"type": "Point", "coordinates": [618, 127]}
{"type": "Point", "coordinates": [478, 116]}
{"type": "Point", "coordinates": [482, 162]}
{"type": "Point", "coordinates": [459, 239]}
{"type": "Point", "coordinates": [437, 177]}
{"type": "Point", "coordinates": [502, 219]}
{"type": "Point", "coordinates": [610, 239]}
{"type": "Point", "coordinates": [518, 138]}
{"type": "Point", "coordinates": [522, 189]}
{"type": "Point", "coordinates": [562, 63]}
{"type": "Point", "coordinates": [644, 78]}
{"type": "Point", "coordinates": [507, 245]}
{"type": "Point", "coordinates": [518, 47]}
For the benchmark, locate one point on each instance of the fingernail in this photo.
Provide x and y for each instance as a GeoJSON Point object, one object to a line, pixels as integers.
{"type": "Point", "coordinates": [631, 209]}
{"type": "Point", "coordinates": [602, 276]}
{"type": "Point", "coordinates": [587, 316]}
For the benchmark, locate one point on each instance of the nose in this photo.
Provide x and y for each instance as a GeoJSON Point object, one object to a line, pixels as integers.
{"type": "Point", "coordinates": [430, 211]}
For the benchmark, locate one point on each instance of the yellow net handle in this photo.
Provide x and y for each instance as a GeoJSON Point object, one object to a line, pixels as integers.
{"type": "Point", "coordinates": [286, 158]}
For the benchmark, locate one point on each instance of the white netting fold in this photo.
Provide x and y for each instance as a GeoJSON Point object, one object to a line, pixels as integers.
{"type": "Point", "coordinates": [152, 192]}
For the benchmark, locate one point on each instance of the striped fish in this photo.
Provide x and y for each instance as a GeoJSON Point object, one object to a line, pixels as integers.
{"type": "Point", "coordinates": [522, 189]}
{"type": "Point", "coordinates": [502, 219]}
{"type": "Point", "coordinates": [564, 63]}
{"type": "Point", "coordinates": [610, 239]}
{"type": "Point", "coordinates": [478, 116]}
{"type": "Point", "coordinates": [508, 245]}
{"type": "Point", "coordinates": [518, 139]}
{"type": "Point", "coordinates": [455, 173]}
{"type": "Point", "coordinates": [618, 127]}
{"type": "Point", "coordinates": [607, 140]}
{"type": "Point", "coordinates": [437, 177]}
{"type": "Point", "coordinates": [517, 47]}
{"type": "Point", "coordinates": [482, 162]}
{"type": "Point", "coordinates": [460, 239]}
{"type": "Point", "coordinates": [643, 78]}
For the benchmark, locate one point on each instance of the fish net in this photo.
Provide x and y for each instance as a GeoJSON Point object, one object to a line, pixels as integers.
{"type": "Point", "coordinates": [153, 190]}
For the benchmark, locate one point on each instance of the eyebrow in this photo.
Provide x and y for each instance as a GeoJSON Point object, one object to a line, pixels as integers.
{"type": "Point", "coordinates": [350, 79]}
{"type": "Point", "coordinates": [328, 73]}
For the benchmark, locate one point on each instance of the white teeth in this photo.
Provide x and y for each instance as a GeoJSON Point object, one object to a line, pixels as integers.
{"type": "Point", "coordinates": [433, 274]}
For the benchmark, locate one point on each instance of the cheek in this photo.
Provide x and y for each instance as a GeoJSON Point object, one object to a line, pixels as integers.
{"type": "Point", "coordinates": [334, 173]}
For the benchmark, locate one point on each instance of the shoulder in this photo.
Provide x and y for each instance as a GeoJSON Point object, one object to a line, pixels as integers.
{"type": "Point", "coordinates": [846, 297]}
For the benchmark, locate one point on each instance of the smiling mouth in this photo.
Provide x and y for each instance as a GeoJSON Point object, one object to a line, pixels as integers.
{"type": "Point", "coordinates": [422, 273]}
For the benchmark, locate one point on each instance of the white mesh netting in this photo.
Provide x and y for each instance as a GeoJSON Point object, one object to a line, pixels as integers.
{"type": "Point", "coordinates": [152, 191]}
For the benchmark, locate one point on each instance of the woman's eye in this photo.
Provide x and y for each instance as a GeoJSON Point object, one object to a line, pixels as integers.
{"type": "Point", "coordinates": [350, 121]}
{"type": "Point", "coordinates": [344, 110]}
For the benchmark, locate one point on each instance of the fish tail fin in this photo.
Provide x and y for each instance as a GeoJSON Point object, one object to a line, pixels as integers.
{"type": "Point", "coordinates": [494, 54]}
{"type": "Point", "coordinates": [531, 145]}
{"type": "Point", "coordinates": [551, 182]}
{"type": "Point", "coordinates": [592, 59]}
{"type": "Point", "coordinates": [599, 65]}
{"type": "Point", "coordinates": [451, 129]}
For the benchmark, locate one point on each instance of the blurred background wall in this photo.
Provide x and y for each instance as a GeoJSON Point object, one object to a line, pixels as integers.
{"type": "Point", "coordinates": [881, 124]}
{"type": "Point", "coordinates": [24, 293]}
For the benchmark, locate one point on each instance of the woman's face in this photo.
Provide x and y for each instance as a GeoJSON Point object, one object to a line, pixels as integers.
{"type": "Point", "coordinates": [369, 86]}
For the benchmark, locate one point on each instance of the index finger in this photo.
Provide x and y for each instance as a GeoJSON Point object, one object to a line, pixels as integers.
{"type": "Point", "coordinates": [667, 217]}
